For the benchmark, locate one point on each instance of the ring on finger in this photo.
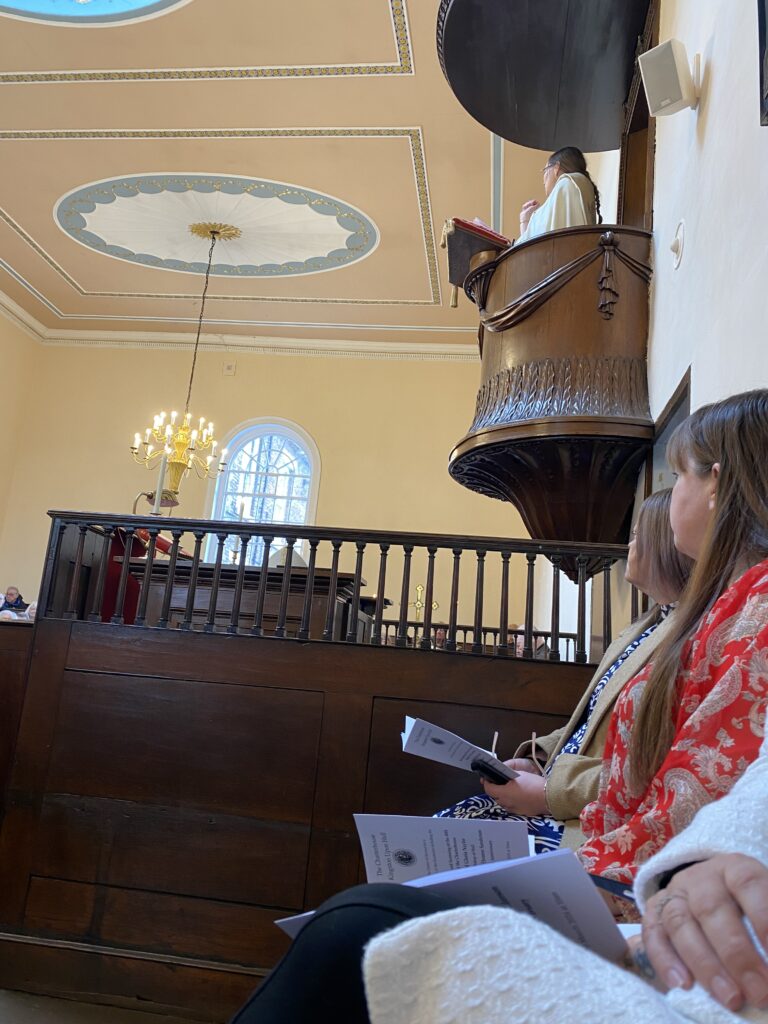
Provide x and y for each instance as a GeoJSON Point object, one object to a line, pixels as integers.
{"type": "Point", "coordinates": [667, 898]}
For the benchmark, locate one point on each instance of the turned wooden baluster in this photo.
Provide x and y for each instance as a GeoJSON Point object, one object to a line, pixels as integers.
{"type": "Point", "coordinates": [330, 611]}
{"type": "Point", "coordinates": [307, 610]}
{"type": "Point", "coordinates": [170, 579]}
{"type": "Point", "coordinates": [376, 637]}
{"type": "Point", "coordinates": [554, 649]}
{"type": "Point", "coordinates": [581, 615]}
{"type": "Point", "coordinates": [98, 596]}
{"type": "Point", "coordinates": [258, 614]}
{"type": "Point", "coordinates": [237, 597]}
{"type": "Point", "coordinates": [189, 609]}
{"type": "Point", "coordinates": [210, 622]}
{"type": "Point", "coordinates": [426, 639]}
{"type": "Point", "coordinates": [282, 612]}
{"type": "Point", "coordinates": [401, 640]}
{"type": "Point", "coordinates": [528, 637]}
{"type": "Point", "coordinates": [354, 607]}
{"type": "Point", "coordinates": [124, 574]}
{"type": "Point", "coordinates": [74, 586]}
{"type": "Point", "coordinates": [477, 635]}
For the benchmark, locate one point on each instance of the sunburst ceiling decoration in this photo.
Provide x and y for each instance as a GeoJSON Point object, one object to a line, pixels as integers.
{"type": "Point", "coordinates": [88, 12]}
{"type": "Point", "coordinates": [283, 230]}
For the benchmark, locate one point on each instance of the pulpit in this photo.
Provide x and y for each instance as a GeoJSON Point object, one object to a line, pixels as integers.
{"type": "Point", "coordinates": [562, 422]}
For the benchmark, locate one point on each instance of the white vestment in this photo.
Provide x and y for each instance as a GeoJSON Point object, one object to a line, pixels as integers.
{"type": "Point", "coordinates": [564, 207]}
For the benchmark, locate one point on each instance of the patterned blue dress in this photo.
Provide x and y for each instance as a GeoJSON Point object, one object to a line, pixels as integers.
{"type": "Point", "coordinates": [547, 832]}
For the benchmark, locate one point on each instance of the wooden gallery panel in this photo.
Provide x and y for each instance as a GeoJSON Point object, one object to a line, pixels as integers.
{"type": "Point", "coordinates": [171, 818]}
{"type": "Point", "coordinates": [430, 786]}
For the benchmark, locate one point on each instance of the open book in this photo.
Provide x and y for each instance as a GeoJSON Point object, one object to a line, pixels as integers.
{"type": "Point", "coordinates": [436, 744]}
{"type": "Point", "coordinates": [464, 239]}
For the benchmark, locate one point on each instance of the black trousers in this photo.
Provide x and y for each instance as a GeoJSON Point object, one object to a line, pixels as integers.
{"type": "Point", "coordinates": [320, 978]}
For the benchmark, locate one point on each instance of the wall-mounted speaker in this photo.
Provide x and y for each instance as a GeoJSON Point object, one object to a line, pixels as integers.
{"type": "Point", "coordinates": [669, 85]}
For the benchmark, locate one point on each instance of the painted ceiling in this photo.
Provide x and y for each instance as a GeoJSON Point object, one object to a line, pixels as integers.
{"type": "Point", "coordinates": [324, 133]}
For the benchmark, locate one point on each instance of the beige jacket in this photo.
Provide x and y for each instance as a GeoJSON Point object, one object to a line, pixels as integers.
{"type": "Point", "coordinates": [574, 780]}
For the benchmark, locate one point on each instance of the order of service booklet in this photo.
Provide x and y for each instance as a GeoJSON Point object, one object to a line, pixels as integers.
{"type": "Point", "coordinates": [430, 741]}
{"type": "Point", "coordinates": [552, 887]}
{"type": "Point", "coordinates": [399, 847]}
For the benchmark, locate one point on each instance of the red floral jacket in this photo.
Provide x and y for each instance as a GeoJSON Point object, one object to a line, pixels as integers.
{"type": "Point", "coordinates": [719, 719]}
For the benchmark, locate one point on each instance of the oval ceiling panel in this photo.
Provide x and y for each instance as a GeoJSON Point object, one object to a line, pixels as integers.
{"type": "Point", "coordinates": [273, 229]}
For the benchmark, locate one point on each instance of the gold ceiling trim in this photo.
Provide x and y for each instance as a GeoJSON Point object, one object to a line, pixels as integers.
{"type": "Point", "coordinates": [403, 66]}
{"type": "Point", "coordinates": [413, 135]}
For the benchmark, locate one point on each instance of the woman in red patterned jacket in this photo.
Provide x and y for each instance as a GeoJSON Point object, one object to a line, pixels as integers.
{"type": "Point", "coordinates": [688, 725]}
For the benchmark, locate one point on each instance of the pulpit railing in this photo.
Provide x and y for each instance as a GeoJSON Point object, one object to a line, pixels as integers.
{"type": "Point", "coordinates": [468, 595]}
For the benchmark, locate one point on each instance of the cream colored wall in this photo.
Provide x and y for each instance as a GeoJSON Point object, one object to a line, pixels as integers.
{"type": "Point", "coordinates": [19, 367]}
{"type": "Point", "coordinates": [604, 170]}
{"type": "Point", "coordinates": [712, 172]}
{"type": "Point", "coordinates": [384, 430]}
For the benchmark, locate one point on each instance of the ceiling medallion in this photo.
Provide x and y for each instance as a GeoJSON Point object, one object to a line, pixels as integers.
{"type": "Point", "coordinates": [204, 229]}
{"type": "Point", "coordinates": [87, 12]}
{"type": "Point", "coordinates": [164, 221]}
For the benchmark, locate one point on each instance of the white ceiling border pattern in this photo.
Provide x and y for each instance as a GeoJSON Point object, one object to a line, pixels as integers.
{"type": "Point", "coordinates": [418, 161]}
{"type": "Point", "coordinates": [387, 351]}
{"type": "Point", "coordinates": [403, 65]}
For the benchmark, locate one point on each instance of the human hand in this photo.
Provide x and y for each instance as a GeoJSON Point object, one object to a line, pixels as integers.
{"type": "Point", "coordinates": [523, 764]}
{"type": "Point", "coordinates": [526, 210]}
{"type": "Point", "coordinates": [523, 795]}
{"type": "Point", "coordinates": [694, 930]}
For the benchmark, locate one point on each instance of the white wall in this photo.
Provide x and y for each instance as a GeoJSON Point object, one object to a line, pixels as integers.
{"type": "Point", "coordinates": [712, 172]}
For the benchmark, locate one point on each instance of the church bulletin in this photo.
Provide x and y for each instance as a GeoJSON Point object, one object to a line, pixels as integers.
{"type": "Point", "coordinates": [436, 744]}
{"type": "Point", "coordinates": [399, 847]}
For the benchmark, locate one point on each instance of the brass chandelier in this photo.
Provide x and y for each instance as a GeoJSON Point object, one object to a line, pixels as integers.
{"type": "Point", "coordinates": [174, 445]}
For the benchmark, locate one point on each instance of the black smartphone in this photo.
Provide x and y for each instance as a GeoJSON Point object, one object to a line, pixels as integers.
{"type": "Point", "coordinates": [620, 889]}
{"type": "Point", "coordinates": [489, 773]}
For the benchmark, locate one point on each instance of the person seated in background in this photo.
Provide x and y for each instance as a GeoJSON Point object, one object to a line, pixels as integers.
{"type": "Point", "coordinates": [516, 639]}
{"type": "Point", "coordinates": [571, 197]}
{"type": "Point", "coordinates": [560, 773]}
{"type": "Point", "coordinates": [13, 601]}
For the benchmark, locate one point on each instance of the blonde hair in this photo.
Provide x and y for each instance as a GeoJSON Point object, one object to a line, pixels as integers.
{"type": "Point", "coordinates": [734, 434]}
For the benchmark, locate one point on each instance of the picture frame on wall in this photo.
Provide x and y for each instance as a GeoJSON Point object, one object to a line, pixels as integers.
{"type": "Point", "coordinates": [762, 20]}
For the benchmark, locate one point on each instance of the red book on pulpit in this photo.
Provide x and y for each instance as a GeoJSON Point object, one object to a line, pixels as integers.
{"type": "Point", "coordinates": [464, 239]}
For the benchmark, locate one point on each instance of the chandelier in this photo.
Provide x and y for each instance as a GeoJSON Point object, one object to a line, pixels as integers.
{"type": "Point", "coordinates": [177, 444]}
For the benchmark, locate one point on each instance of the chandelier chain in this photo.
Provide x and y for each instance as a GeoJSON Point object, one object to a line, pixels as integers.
{"type": "Point", "coordinates": [214, 237]}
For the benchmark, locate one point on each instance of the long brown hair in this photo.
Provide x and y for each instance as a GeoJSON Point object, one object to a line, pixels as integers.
{"type": "Point", "coordinates": [573, 161]}
{"type": "Point", "coordinates": [733, 433]}
{"type": "Point", "coordinates": [655, 544]}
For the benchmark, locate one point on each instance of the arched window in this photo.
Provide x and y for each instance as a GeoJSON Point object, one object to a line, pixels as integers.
{"type": "Point", "coordinates": [272, 476]}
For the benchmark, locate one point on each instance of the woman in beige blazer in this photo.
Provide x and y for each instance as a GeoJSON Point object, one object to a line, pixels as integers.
{"type": "Point", "coordinates": [561, 776]}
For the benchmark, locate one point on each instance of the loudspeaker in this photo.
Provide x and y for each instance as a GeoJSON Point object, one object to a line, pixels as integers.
{"type": "Point", "coordinates": [667, 78]}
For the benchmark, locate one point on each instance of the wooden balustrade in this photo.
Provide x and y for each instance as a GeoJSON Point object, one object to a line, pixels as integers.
{"type": "Point", "coordinates": [125, 570]}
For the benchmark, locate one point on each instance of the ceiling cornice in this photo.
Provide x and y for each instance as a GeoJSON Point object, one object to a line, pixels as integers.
{"type": "Point", "coordinates": [262, 345]}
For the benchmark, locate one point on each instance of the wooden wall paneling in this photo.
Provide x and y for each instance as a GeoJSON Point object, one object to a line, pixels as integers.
{"type": "Point", "coordinates": [35, 740]}
{"type": "Point", "coordinates": [235, 933]}
{"type": "Point", "coordinates": [332, 667]}
{"type": "Point", "coordinates": [15, 651]}
{"type": "Point", "coordinates": [200, 992]}
{"type": "Point", "coordinates": [341, 779]}
{"type": "Point", "coordinates": [203, 854]}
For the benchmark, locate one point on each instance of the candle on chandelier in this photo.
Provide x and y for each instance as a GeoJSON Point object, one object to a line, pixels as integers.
{"type": "Point", "coordinates": [162, 417]}
{"type": "Point", "coordinates": [193, 440]}
{"type": "Point", "coordinates": [136, 442]}
{"type": "Point", "coordinates": [168, 430]}
{"type": "Point", "coordinates": [147, 432]}
{"type": "Point", "coordinates": [173, 417]}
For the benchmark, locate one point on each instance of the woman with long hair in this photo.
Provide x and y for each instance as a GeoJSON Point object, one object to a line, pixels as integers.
{"type": "Point", "coordinates": [571, 197]}
{"type": "Point", "coordinates": [560, 772]}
